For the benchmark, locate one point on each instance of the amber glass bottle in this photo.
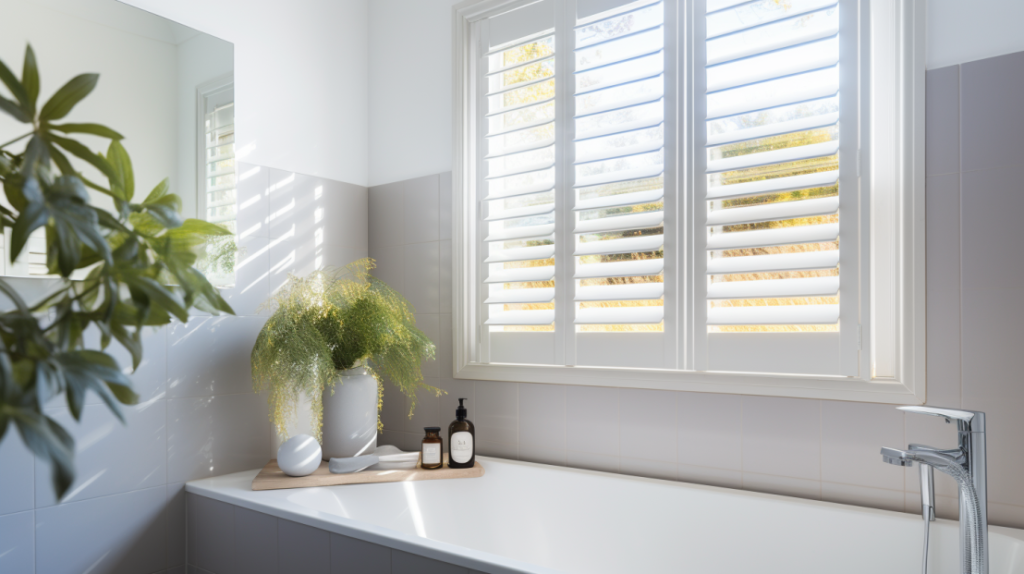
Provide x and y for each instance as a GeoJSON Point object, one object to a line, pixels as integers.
{"type": "Point", "coordinates": [430, 450]}
{"type": "Point", "coordinates": [461, 440]}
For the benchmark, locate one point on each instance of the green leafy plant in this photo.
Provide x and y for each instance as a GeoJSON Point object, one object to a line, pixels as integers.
{"type": "Point", "coordinates": [137, 264]}
{"type": "Point", "coordinates": [332, 321]}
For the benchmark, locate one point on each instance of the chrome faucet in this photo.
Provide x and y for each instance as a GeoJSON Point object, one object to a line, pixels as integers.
{"type": "Point", "coordinates": [966, 464]}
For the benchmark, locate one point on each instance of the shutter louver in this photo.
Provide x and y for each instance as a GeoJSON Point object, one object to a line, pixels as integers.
{"type": "Point", "coordinates": [519, 123]}
{"type": "Point", "coordinates": [220, 166]}
{"type": "Point", "coordinates": [772, 169]}
{"type": "Point", "coordinates": [618, 167]}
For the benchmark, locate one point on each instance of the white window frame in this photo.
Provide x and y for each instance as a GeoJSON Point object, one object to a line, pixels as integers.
{"type": "Point", "coordinates": [892, 251]}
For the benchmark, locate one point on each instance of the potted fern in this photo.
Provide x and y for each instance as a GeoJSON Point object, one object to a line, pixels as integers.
{"type": "Point", "coordinates": [334, 337]}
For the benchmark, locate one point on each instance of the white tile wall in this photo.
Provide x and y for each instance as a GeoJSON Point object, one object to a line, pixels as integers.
{"type": "Point", "coordinates": [198, 416]}
{"type": "Point", "coordinates": [782, 437]}
{"type": "Point", "coordinates": [111, 457]}
{"type": "Point", "coordinates": [542, 427]}
{"type": "Point", "coordinates": [123, 533]}
{"type": "Point", "coordinates": [710, 430]}
{"type": "Point", "coordinates": [17, 544]}
{"type": "Point", "coordinates": [17, 481]}
{"type": "Point", "coordinates": [807, 448]}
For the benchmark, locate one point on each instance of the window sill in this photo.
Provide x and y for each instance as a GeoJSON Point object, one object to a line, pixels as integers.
{"type": "Point", "coordinates": [884, 391]}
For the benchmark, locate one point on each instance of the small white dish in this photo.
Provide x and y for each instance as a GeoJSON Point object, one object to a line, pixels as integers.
{"type": "Point", "coordinates": [393, 458]}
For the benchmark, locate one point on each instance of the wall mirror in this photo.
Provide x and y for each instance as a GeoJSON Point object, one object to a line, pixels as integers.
{"type": "Point", "coordinates": [167, 88]}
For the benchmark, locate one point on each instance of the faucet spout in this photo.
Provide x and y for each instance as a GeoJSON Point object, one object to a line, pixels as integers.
{"type": "Point", "coordinates": [967, 465]}
{"type": "Point", "coordinates": [939, 459]}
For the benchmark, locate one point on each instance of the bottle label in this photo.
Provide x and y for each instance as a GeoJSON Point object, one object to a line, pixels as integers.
{"type": "Point", "coordinates": [462, 447]}
{"type": "Point", "coordinates": [432, 453]}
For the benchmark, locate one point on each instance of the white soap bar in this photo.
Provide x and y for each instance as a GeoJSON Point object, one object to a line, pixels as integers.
{"type": "Point", "coordinates": [299, 455]}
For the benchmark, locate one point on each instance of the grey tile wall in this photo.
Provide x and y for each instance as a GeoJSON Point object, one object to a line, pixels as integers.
{"type": "Point", "coordinates": [233, 540]}
{"type": "Point", "coordinates": [809, 448]}
{"type": "Point", "coordinates": [198, 417]}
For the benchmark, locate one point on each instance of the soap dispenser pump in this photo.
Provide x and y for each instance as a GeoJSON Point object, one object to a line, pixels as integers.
{"type": "Point", "coordinates": [461, 440]}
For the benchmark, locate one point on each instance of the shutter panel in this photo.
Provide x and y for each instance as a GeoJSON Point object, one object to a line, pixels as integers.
{"type": "Point", "coordinates": [518, 169]}
{"type": "Point", "coordinates": [775, 170]}
{"type": "Point", "coordinates": [772, 165]}
{"type": "Point", "coordinates": [619, 165]}
{"type": "Point", "coordinates": [220, 161]}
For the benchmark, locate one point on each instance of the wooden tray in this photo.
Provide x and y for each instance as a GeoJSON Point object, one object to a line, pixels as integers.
{"type": "Point", "coordinates": [272, 477]}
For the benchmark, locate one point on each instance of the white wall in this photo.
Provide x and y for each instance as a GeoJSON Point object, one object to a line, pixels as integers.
{"type": "Point", "coordinates": [300, 79]}
{"type": "Point", "coordinates": [136, 89]}
{"type": "Point", "coordinates": [410, 89]}
{"type": "Point", "coordinates": [960, 32]}
{"type": "Point", "coordinates": [410, 72]}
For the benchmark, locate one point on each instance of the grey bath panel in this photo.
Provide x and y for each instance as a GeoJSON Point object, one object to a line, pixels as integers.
{"type": "Point", "coordinates": [255, 547]}
{"type": "Point", "coordinates": [942, 121]}
{"type": "Point", "coordinates": [302, 549]}
{"type": "Point", "coordinates": [352, 556]}
{"type": "Point", "coordinates": [404, 563]}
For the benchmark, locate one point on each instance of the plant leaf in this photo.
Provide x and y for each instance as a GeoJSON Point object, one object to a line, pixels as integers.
{"type": "Point", "coordinates": [198, 227]}
{"type": "Point", "coordinates": [37, 158]}
{"type": "Point", "coordinates": [68, 249]}
{"type": "Point", "coordinates": [98, 372]}
{"type": "Point", "coordinates": [92, 129]}
{"type": "Point", "coordinates": [70, 94]}
{"type": "Point", "coordinates": [122, 165]}
{"type": "Point", "coordinates": [14, 110]}
{"type": "Point", "coordinates": [30, 219]}
{"type": "Point", "coordinates": [30, 78]}
{"type": "Point", "coordinates": [61, 160]}
{"type": "Point", "coordinates": [18, 90]}
{"type": "Point", "coordinates": [158, 295]}
{"type": "Point", "coordinates": [161, 189]}
{"type": "Point", "coordinates": [131, 341]}
{"type": "Point", "coordinates": [165, 210]}
{"type": "Point", "coordinates": [80, 151]}
{"type": "Point", "coordinates": [50, 442]}
{"type": "Point", "coordinates": [75, 224]}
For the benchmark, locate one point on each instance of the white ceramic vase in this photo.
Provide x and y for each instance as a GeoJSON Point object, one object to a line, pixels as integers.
{"type": "Point", "coordinates": [350, 415]}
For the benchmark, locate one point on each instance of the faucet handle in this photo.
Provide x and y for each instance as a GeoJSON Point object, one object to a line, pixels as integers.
{"type": "Point", "coordinates": [969, 421]}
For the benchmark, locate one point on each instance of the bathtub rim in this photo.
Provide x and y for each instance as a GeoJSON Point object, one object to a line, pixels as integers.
{"type": "Point", "coordinates": [233, 489]}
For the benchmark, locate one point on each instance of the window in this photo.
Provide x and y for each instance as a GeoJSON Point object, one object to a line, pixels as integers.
{"type": "Point", "coordinates": [718, 195]}
{"type": "Point", "coordinates": [217, 177]}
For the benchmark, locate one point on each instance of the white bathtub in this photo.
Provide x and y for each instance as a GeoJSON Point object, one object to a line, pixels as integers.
{"type": "Point", "coordinates": [523, 517]}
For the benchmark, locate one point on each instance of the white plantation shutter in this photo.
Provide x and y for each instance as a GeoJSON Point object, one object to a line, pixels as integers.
{"type": "Point", "coordinates": [32, 260]}
{"type": "Point", "coordinates": [618, 225]}
{"type": "Point", "coordinates": [705, 195]}
{"type": "Point", "coordinates": [218, 163]}
{"type": "Point", "coordinates": [619, 162]}
{"type": "Point", "coordinates": [777, 184]}
{"type": "Point", "coordinates": [517, 171]}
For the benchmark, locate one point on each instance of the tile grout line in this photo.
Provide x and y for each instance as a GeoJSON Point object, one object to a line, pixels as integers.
{"type": "Point", "coordinates": [743, 413]}
{"type": "Point", "coordinates": [821, 447]}
{"type": "Point", "coordinates": [959, 221]}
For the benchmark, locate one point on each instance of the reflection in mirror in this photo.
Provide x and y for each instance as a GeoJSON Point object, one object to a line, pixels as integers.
{"type": "Point", "coordinates": [167, 88]}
